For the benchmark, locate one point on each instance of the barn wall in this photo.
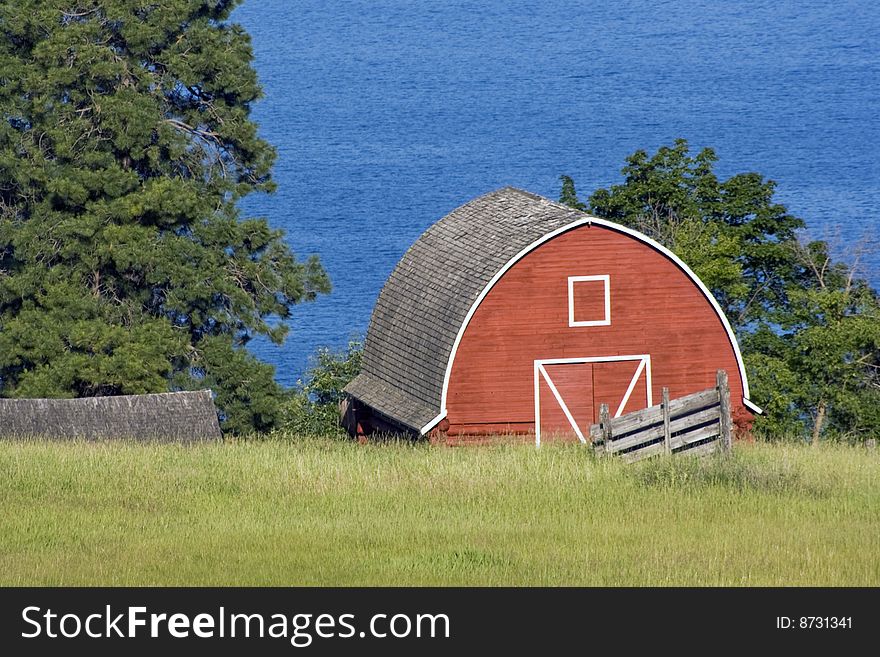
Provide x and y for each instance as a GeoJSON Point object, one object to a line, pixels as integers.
{"type": "Point", "coordinates": [656, 309]}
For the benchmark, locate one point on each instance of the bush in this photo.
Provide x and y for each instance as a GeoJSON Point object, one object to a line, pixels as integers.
{"type": "Point", "coordinates": [313, 406]}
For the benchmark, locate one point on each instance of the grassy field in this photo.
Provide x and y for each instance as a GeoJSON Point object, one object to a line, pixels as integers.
{"type": "Point", "coordinates": [313, 512]}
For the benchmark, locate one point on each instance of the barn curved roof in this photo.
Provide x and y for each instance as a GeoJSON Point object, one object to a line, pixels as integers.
{"type": "Point", "coordinates": [427, 301]}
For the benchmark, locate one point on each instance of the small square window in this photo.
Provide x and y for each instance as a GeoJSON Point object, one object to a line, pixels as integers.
{"type": "Point", "coordinates": [589, 300]}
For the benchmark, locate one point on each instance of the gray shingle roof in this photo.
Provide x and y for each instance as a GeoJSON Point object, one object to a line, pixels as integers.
{"type": "Point", "coordinates": [170, 416]}
{"type": "Point", "coordinates": [428, 295]}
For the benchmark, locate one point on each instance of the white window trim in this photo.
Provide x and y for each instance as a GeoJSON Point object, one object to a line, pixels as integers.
{"type": "Point", "coordinates": [606, 279]}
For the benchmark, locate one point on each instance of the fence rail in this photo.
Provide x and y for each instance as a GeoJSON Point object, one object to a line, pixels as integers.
{"type": "Point", "coordinates": [696, 424]}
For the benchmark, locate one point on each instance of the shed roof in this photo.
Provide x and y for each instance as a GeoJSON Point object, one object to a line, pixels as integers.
{"type": "Point", "coordinates": [169, 416]}
{"type": "Point", "coordinates": [426, 303]}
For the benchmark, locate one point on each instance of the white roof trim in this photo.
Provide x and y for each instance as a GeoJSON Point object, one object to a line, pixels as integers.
{"type": "Point", "coordinates": [587, 220]}
{"type": "Point", "coordinates": [434, 422]}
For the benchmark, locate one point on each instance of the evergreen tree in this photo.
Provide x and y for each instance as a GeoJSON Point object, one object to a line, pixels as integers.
{"type": "Point", "coordinates": [125, 266]}
{"type": "Point", "coordinates": [568, 196]}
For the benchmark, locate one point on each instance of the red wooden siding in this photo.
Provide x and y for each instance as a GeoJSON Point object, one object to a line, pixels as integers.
{"type": "Point", "coordinates": [656, 309]}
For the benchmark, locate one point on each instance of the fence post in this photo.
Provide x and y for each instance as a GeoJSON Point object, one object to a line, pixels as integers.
{"type": "Point", "coordinates": [724, 401]}
{"type": "Point", "coordinates": [605, 425]}
{"type": "Point", "coordinates": [667, 433]}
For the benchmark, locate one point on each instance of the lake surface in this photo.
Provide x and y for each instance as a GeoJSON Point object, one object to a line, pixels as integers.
{"type": "Point", "coordinates": [389, 114]}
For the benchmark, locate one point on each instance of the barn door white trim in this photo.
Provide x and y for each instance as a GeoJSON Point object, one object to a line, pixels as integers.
{"type": "Point", "coordinates": [644, 365]}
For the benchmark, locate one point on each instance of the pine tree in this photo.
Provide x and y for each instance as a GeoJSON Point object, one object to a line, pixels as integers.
{"type": "Point", "coordinates": [125, 265]}
{"type": "Point", "coordinates": [568, 196]}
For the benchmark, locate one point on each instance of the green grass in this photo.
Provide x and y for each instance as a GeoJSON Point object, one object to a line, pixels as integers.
{"type": "Point", "coordinates": [312, 512]}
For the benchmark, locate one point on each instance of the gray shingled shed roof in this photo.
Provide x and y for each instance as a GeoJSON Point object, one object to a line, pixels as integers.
{"type": "Point", "coordinates": [169, 416]}
{"type": "Point", "coordinates": [429, 294]}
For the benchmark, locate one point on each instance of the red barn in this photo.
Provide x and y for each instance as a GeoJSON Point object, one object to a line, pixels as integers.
{"type": "Point", "coordinates": [515, 314]}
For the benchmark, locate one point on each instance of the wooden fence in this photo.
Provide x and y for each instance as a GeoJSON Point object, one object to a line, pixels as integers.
{"type": "Point", "coordinates": [696, 424]}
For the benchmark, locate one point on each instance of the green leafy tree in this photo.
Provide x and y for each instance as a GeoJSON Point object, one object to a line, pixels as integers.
{"type": "Point", "coordinates": [125, 266]}
{"type": "Point", "coordinates": [313, 408]}
{"type": "Point", "coordinates": [817, 367]}
{"type": "Point", "coordinates": [809, 326]}
{"type": "Point", "coordinates": [730, 232]}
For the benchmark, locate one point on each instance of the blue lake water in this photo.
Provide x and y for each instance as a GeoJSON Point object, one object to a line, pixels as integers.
{"type": "Point", "coordinates": [387, 114]}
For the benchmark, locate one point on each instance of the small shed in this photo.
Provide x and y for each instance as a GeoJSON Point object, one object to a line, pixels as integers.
{"type": "Point", "coordinates": [514, 312]}
{"type": "Point", "coordinates": [168, 416]}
